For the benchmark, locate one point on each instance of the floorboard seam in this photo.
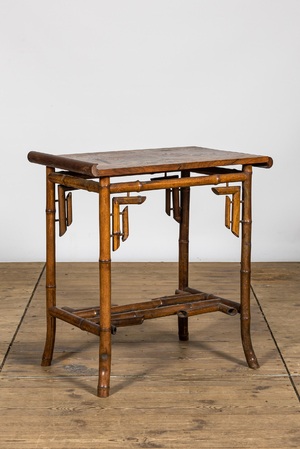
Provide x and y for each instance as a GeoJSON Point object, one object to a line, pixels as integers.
{"type": "Point", "coordinates": [137, 376]}
{"type": "Point", "coordinates": [276, 344]}
{"type": "Point", "coordinates": [22, 318]}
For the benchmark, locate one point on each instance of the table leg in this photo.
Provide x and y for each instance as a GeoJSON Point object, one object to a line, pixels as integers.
{"type": "Point", "coordinates": [184, 253]}
{"type": "Point", "coordinates": [105, 289]}
{"type": "Point", "coordinates": [246, 270]}
{"type": "Point", "coordinates": [50, 269]}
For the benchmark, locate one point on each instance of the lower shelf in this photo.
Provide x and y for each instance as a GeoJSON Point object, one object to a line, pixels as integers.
{"type": "Point", "coordinates": [184, 303]}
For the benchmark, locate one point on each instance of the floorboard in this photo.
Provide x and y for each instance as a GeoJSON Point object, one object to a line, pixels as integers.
{"type": "Point", "coordinates": [164, 393]}
{"type": "Point", "coordinates": [17, 284]}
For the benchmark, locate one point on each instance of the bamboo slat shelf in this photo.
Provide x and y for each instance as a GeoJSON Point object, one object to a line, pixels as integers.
{"type": "Point", "coordinates": [93, 172]}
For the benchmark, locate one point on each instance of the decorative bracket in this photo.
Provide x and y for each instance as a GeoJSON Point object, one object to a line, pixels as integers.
{"type": "Point", "coordinates": [175, 198]}
{"type": "Point", "coordinates": [175, 203]}
{"type": "Point", "coordinates": [116, 202]}
{"type": "Point", "coordinates": [64, 208]}
{"type": "Point", "coordinates": [235, 210]}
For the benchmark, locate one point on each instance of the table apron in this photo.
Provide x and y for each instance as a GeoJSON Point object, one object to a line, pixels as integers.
{"type": "Point", "coordinates": [138, 186]}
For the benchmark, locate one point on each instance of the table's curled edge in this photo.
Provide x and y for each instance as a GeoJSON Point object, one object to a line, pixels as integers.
{"type": "Point", "coordinates": [92, 170]}
{"type": "Point", "coordinates": [64, 163]}
{"type": "Point", "coordinates": [267, 164]}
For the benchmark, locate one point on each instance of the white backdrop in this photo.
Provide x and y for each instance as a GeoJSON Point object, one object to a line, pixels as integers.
{"type": "Point", "coordinates": [94, 75]}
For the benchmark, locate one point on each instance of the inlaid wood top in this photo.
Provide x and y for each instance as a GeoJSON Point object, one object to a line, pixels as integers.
{"type": "Point", "coordinates": [120, 163]}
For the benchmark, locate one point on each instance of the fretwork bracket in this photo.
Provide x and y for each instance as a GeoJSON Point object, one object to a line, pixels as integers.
{"type": "Point", "coordinates": [175, 203]}
{"type": "Point", "coordinates": [64, 208]}
{"type": "Point", "coordinates": [234, 219]}
{"type": "Point", "coordinates": [116, 202]}
{"type": "Point", "coordinates": [175, 191]}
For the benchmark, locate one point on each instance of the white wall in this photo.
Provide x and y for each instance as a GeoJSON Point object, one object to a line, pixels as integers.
{"type": "Point", "coordinates": [94, 75]}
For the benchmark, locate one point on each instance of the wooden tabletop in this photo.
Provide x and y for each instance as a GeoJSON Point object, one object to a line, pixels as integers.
{"type": "Point", "coordinates": [122, 163]}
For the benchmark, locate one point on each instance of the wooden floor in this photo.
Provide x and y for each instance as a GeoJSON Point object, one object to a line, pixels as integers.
{"type": "Point", "coordinates": [164, 393]}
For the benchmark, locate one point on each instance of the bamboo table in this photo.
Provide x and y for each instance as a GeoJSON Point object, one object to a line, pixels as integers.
{"type": "Point", "coordinates": [78, 171]}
